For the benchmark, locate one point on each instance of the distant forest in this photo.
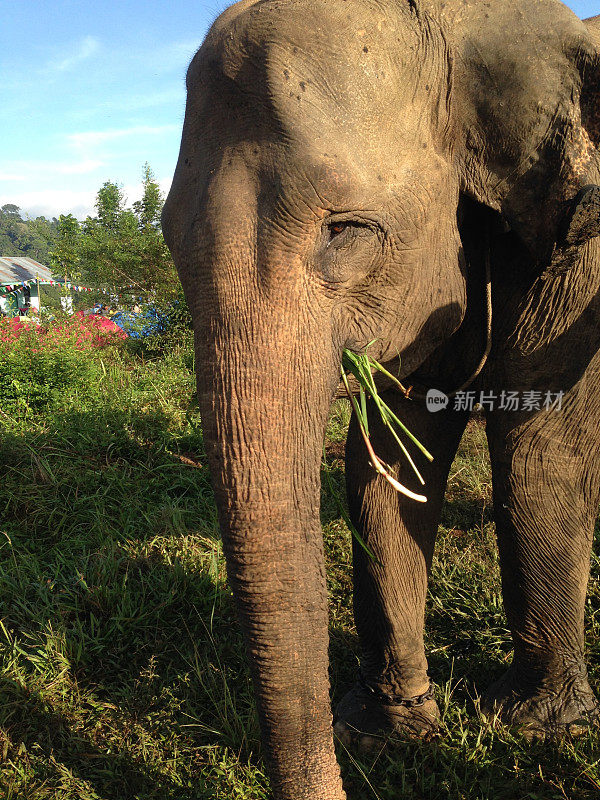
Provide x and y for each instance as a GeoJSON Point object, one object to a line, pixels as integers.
{"type": "Point", "coordinates": [30, 238]}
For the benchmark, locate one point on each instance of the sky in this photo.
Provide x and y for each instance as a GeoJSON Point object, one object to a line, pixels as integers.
{"type": "Point", "coordinates": [92, 90]}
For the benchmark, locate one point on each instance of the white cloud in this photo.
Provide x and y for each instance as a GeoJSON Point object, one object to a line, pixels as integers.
{"type": "Point", "coordinates": [94, 139]}
{"type": "Point", "coordinates": [26, 170]}
{"type": "Point", "coordinates": [171, 56]}
{"type": "Point", "coordinates": [133, 191]}
{"type": "Point", "coordinates": [83, 50]}
{"type": "Point", "coordinates": [52, 202]}
{"type": "Point", "coordinates": [165, 185]}
{"type": "Point", "coordinates": [79, 168]}
{"type": "Point", "coordinates": [137, 102]}
{"type": "Point", "coordinates": [91, 150]}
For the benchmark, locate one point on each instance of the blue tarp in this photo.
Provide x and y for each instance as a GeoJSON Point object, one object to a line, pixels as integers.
{"type": "Point", "coordinates": [147, 323]}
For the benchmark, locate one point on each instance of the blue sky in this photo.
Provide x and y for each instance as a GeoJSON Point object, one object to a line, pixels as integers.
{"type": "Point", "coordinates": [92, 90]}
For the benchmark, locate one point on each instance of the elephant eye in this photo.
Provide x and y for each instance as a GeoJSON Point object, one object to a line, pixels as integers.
{"type": "Point", "coordinates": [348, 249]}
{"type": "Point", "coordinates": [337, 228]}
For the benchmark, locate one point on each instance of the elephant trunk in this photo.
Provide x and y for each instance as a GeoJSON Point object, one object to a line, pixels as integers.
{"type": "Point", "coordinates": [264, 412]}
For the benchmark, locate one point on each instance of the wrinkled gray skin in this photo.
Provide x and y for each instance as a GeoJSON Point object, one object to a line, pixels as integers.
{"type": "Point", "coordinates": [346, 169]}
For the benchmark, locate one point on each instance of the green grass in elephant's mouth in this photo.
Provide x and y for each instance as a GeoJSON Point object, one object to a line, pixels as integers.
{"type": "Point", "coordinates": [362, 367]}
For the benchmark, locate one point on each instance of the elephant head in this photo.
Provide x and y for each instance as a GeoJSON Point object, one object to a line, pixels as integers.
{"type": "Point", "coordinates": [335, 156]}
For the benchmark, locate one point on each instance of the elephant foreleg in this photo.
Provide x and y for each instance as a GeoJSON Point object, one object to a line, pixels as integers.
{"type": "Point", "coordinates": [389, 594]}
{"type": "Point", "coordinates": [545, 499]}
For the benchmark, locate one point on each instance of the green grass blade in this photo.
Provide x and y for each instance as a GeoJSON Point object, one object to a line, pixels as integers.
{"type": "Point", "coordinates": [362, 367]}
{"type": "Point", "coordinates": [345, 516]}
{"type": "Point", "coordinates": [403, 427]}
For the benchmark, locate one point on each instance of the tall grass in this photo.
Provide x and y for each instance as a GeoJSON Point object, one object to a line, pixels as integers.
{"type": "Point", "coordinates": [123, 672]}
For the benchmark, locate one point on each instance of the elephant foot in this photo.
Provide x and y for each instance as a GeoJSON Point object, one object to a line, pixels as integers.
{"type": "Point", "coordinates": [552, 709]}
{"type": "Point", "coordinates": [364, 720]}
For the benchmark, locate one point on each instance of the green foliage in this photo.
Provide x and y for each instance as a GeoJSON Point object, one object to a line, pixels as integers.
{"type": "Point", "coordinates": [124, 246]}
{"type": "Point", "coordinates": [38, 374]}
{"type": "Point", "coordinates": [176, 324]}
{"type": "Point", "coordinates": [149, 208]}
{"type": "Point", "coordinates": [120, 246]}
{"type": "Point", "coordinates": [65, 258]}
{"type": "Point", "coordinates": [29, 238]}
{"type": "Point", "coordinates": [178, 313]}
{"type": "Point", "coordinates": [110, 206]}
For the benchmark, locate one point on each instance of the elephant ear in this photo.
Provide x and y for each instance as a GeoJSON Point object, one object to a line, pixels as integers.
{"type": "Point", "coordinates": [527, 104]}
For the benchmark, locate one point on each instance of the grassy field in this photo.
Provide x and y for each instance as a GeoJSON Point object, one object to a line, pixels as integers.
{"type": "Point", "coordinates": [123, 673]}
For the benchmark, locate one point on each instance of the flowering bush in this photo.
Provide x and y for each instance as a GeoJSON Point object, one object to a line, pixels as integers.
{"type": "Point", "coordinates": [12, 328]}
{"type": "Point", "coordinates": [40, 366]}
{"type": "Point", "coordinates": [91, 331]}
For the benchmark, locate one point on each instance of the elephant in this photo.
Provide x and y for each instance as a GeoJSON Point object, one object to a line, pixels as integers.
{"type": "Point", "coordinates": [418, 180]}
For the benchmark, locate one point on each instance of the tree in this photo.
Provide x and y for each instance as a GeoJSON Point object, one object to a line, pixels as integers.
{"type": "Point", "coordinates": [32, 238]}
{"type": "Point", "coordinates": [110, 205]}
{"type": "Point", "coordinates": [42, 238]}
{"type": "Point", "coordinates": [149, 208]}
{"type": "Point", "coordinates": [11, 211]}
{"type": "Point", "coordinates": [124, 246]}
{"type": "Point", "coordinates": [65, 257]}
{"type": "Point", "coordinates": [119, 246]}
{"type": "Point", "coordinates": [9, 237]}
{"type": "Point", "coordinates": [155, 259]}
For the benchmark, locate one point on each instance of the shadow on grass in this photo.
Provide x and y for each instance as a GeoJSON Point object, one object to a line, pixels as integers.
{"type": "Point", "coordinates": [55, 744]}
{"type": "Point", "coordinates": [108, 475]}
{"type": "Point", "coordinates": [122, 663]}
{"type": "Point", "coordinates": [136, 687]}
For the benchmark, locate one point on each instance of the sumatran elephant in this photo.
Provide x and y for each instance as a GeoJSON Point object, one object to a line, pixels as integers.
{"type": "Point", "coordinates": [419, 178]}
